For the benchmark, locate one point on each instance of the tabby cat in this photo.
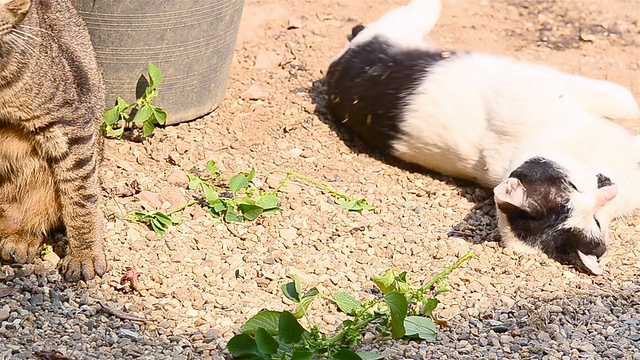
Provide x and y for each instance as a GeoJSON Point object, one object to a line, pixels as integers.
{"type": "Point", "coordinates": [540, 138]}
{"type": "Point", "coordinates": [52, 98]}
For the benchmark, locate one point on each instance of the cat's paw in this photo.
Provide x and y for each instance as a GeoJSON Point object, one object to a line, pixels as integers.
{"type": "Point", "coordinates": [83, 265]}
{"type": "Point", "coordinates": [18, 249]}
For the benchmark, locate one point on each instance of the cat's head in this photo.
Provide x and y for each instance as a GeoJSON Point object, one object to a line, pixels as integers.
{"type": "Point", "coordinates": [12, 12]}
{"type": "Point", "coordinates": [539, 205]}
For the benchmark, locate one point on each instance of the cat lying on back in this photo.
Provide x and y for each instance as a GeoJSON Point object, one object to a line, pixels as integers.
{"type": "Point", "coordinates": [52, 98]}
{"type": "Point", "coordinates": [559, 170]}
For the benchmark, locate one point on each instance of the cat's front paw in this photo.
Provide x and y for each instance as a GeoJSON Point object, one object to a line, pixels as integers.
{"type": "Point", "coordinates": [83, 265]}
{"type": "Point", "coordinates": [19, 249]}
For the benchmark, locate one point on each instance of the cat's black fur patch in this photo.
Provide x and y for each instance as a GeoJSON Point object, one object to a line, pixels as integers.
{"type": "Point", "coordinates": [547, 208]}
{"type": "Point", "coordinates": [369, 84]}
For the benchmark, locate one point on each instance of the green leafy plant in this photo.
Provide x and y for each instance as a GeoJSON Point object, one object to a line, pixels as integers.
{"type": "Point", "coordinates": [159, 221]}
{"type": "Point", "coordinates": [234, 199]}
{"type": "Point", "coordinates": [401, 311]}
{"type": "Point", "coordinates": [345, 201]}
{"type": "Point", "coordinates": [46, 249]}
{"type": "Point", "coordinates": [118, 117]}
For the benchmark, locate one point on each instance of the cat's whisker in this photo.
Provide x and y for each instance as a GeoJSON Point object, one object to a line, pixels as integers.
{"type": "Point", "coordinates": [23, 44]}
{"type": "Point", "coordinates": [22, 26]}
{"type": "Point", "coordinates": [26, 35]}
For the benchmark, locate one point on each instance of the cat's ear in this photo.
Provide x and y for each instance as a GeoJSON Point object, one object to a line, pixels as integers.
{"type": "Point", "coordinates": [19, 8]}
{"type": "Point", "coordinates": [591, 263]}
{"type": "Point", "coordinates": [510, 194]}
{"type": "Point", "coordinates": [606, 194]}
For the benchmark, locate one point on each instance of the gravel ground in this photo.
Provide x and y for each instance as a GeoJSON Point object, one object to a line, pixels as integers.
{"type": "Point", "coordinates": [202, 279]}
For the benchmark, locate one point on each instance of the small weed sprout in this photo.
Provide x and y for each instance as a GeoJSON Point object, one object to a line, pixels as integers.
{"type": "Point", "coordinates": [118, 117]}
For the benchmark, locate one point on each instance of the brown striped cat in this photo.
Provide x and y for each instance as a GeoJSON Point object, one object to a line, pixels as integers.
{"type": "Point", "coordinates": [52, 98]}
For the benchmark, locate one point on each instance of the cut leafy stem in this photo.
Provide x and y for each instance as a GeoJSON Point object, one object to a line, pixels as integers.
{"type": "Point", "coordinates": [345, 201]}
{"type": "Point", "coordinates": [278, 335]}
{"type": "Point", "coordinates": [235, 199]}
{"type": "Point", "coordinates": [159, 221]}
{"type": "Point", "coordinates": [118, 117]}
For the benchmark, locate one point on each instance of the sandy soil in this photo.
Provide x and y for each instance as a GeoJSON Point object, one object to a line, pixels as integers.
{"type": "Point", "coordinates": [201, 281]}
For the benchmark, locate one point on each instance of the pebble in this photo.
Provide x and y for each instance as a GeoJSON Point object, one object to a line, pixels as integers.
{"type": "Point", "coordinates": [4, 314]}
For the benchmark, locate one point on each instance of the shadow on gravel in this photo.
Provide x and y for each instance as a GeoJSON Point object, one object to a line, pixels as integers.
{"type": "Point", "coordinates": [478, 225]}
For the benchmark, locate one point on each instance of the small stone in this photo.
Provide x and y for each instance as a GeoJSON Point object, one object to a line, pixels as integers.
{"type": "Point", "coordinates": [51, 257]}
{"type": "Point", "coordinates": [36, 300]}
{"type": "Point", "coordinates": [254, 92]}
{"type": "Point", "coordinates": [506, 339]}
{"type": "Point", "coordinates": [128, 334]}
{"type": "Point", "coordinates": [4, 314]}
{"type": "Point", "coordinates": [150, 198]}
{"type": "Point", "coordinates": [288, 234]}
{"type": "Point", "coordinates": [555, 309]}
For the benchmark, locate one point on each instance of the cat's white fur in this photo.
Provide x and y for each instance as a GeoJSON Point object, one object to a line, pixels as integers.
{"type": "Point", "coordinates": [500, 112]}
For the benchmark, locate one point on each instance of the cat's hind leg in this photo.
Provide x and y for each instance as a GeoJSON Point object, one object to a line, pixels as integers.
{"type": "Point", "coordinates": [604, 98]}
{"type": "Point", "coordinates": [404, 26]}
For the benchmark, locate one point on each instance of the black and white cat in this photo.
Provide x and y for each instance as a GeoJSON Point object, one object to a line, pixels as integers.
{"type": "Point", "coordinates": [560, 171]}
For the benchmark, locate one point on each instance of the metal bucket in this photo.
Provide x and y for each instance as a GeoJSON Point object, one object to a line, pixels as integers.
{"type": "Point", "coordinates": [190, 41]}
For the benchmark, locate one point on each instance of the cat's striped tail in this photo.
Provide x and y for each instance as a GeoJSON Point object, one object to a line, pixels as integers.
{"type": "Point", "coordinates": [404, 26]}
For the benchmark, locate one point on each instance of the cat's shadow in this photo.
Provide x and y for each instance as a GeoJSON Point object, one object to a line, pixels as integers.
{"type": "Point", "coordinates": [479, 223]}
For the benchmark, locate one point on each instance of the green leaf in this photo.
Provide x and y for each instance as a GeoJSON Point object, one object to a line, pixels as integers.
{"type": "Point", "coordinates": [121, 104]}
{"type": "Point", "coordinates": [362, 203]}
{"type": "Point", "coordinates": [268, 201]}
{"type": "Point", "coordinates": [370, 356]}
{"type": "Point", "coordinates": [213, 169]}
{"type": "Point", "coordinates": [398, 305]}
{"type": "Point", "coordinates": [347, 205]}
{"type": "Point", "coordinates": [250, 212]}
{"type": "Point", "coordinates": [117, 133]}
{"type": "Point", "coordinates": [429, 306]}
{"type": "Point", "coordinates": [266, 343]}
{"type": "Point", "coordinates": [246, 200]}
{"type": "Point", "coordinates": [391, 282]}
{"type": "Point", "coordinates": [218, 206]}
{"type": "Point", "coordinates": [209, 193]}
{"type": "Point", "coordinates": [232, 216]}
{"type": "Point", "coordinates": [243, 345]}
{"type": "Point", "coordinates": [237, 183]}
{"type": "Point", "coordinates": [346, 354]}
{"type": "Point", "coordinates": [155, 76]}
{"type": "Point", "coordinates": [420, 327]}
{"type": "Point", "coordinates": [346, 303]}
{"type": "Point", "coordinates": [289, 329]}
{"type": "Point", "coordinates": [442, 287]}
{"type": "Point", "coordinates": [292, 290]}
{"type": "Point", "coordinates": [111, 115]}
{"type": "Point", "coordinates": [163, 218]}
{"type": "Point", "coordinates": [157, 226]}
{"type": "Point", "coordinates": [305, 302]}
{"type": "Point", "coordinates": [160, 115]}
{"type": "Point", "coordinates": [143, 114]}
{"type": "Point", "coordinates": [302, 355]}
{"type": "Point", "coordinates": [147, 129]}
{"type": "Point", "coordinates": [270, 211]}
{"type": "Point", "coordinates": [176, 219]}
{"type": "Point", "coordinates": [251, 174]}
{"type": "Point", "coordinates": [194, 181]}
{"type": "Point", "coordinates": [266, 319]}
